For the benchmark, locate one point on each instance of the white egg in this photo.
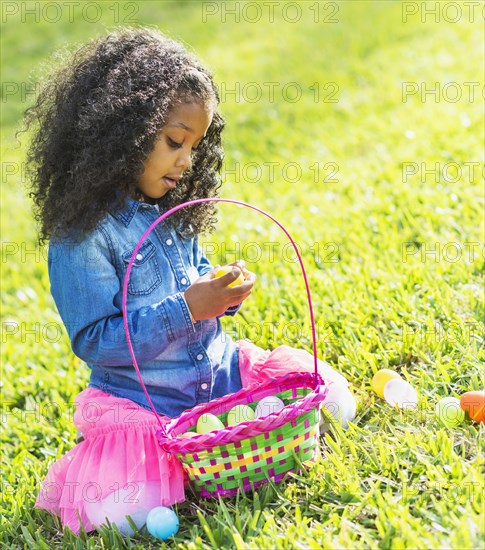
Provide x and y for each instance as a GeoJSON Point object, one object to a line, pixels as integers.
{"type": "Point", "coordinates": [136, 499]}
{"type": "Point", "coordinates": [331, 376]}
{"type": "Point", "coordinates": [268, 405]}
{"type": "Point", "coordinates": [340, 403]}
{"type": "Point", "coordinates": [401, 393]}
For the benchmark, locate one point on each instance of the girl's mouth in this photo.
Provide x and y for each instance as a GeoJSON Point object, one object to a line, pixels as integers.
{"type": "Point", "coordinates": [169, 182]}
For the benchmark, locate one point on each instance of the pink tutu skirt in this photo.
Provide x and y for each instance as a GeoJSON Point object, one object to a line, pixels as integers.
{"type": "Point", "coordinates": [119, 468]}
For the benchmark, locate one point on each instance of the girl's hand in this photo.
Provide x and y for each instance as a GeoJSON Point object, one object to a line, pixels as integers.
{"type": "Point", "coordinates": [209, 297]}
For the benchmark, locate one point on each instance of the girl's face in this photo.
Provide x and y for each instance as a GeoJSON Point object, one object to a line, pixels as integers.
{"type": "Point", "coordinates": [186, 125]}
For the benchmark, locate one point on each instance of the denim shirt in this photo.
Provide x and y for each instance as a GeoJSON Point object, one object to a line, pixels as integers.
{"type": "Point", "coordinates": [182, 363]}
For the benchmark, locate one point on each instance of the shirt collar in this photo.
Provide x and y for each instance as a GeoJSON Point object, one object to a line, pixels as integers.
{"type": "Point", "coordinates": [129, 209]}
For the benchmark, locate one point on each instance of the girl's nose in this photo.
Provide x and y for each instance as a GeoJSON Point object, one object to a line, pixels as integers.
{"type": "Point", "coordinates": [184, 159]}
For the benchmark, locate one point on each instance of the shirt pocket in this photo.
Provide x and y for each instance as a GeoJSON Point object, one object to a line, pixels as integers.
{"type": "Point", "coordinates": [145, 272]}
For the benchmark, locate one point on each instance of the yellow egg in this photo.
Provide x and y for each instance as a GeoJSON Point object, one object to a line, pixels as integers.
{"type": "Point", "coordinates": [227, 269]}
{"type": "Point", "coordinates": [381, 378]}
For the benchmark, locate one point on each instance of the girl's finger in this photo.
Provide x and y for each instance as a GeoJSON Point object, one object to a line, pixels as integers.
{"type": "Point", "coordinates": [229, 278]}
{"type": "Point", "coordinates": [240, 290]}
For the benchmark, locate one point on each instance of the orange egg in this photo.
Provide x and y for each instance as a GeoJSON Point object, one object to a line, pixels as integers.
{"type": "Point", "coordinates": [473, 403]}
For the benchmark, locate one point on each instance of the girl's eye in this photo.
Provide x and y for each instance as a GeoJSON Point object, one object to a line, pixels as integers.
{"type": "Point", "coordinates": [176, 145]}
{"type": "Point", "coordinates": [173, 143]}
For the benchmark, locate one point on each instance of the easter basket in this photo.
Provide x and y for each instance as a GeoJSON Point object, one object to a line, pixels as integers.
{"type": "Point", "coordinates": [254, 451]}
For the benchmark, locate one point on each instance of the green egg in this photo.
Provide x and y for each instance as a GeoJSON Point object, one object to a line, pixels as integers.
{"type": "Point", "coordinates": [240, 413]}
{"type": "Point", "coordinates": [208, 423]}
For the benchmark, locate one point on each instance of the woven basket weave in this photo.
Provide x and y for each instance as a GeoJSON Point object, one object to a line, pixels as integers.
{"type": "Point", "coordinates": [243, 456]}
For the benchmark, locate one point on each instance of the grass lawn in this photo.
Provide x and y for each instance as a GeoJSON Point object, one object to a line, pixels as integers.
{"type": "Point", "coordinates": [363, 133]}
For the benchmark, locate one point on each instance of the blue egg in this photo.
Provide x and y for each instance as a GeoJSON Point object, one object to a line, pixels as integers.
{"type": "Point", "coordinates": [162, 522]}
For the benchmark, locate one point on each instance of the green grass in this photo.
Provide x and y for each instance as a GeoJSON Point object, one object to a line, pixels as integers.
{"type": "Point", "coordinates": [382, 299]}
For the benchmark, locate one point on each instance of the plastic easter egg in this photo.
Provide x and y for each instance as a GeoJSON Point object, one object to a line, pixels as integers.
{"type": "Point", "coordinates": [162, 522]}
{"type": "Point", "coordinates": [208, 423]}
{"type": "Point", "coordinates": [239, 413]}
{"type": "Point", "coordinates": [401, 393]}
{"type": "Point", "coordinates": [449, 412]}
{"type": "Point", "coordinates": [135, 499]}
{"type": "Point", "coordinates": [473, 403]}
{"type": "Point", "coordinates": [340, 403]}
{"type": "Point", "coordinates": [224, 270]}
{"type": "Point", "coordinates": [329, 375]}
{"type": "Point", "coordinates": [269, 404]}
{"type": "Point", "coordinates": [381, 378]}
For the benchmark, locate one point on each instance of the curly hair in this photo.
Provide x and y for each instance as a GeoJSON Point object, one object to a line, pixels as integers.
{"type": "Point", "coordinates": [96, 121]}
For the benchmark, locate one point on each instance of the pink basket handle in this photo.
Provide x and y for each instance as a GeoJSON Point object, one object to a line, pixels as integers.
{"type": "Point", "coordinates": [145, 235]}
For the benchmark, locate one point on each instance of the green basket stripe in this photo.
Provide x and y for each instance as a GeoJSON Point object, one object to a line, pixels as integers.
{"type": "Point", "coordinates": [212, 486]}
{"type": "Point", "coordinates": [263, 474]}
{"type": "Point", "coordinates": [276, 465]}
{"type": "Point", "coordinates": [261, 463]}
{"type": "Point", "coordinates": [308, 444]}
{"type": "Point", "coordinates": [245, 450]}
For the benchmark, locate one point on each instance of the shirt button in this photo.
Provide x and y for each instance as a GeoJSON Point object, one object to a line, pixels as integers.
{"type": "Point", "coordinates": [200, 357]}
{"type": "Point", "coordinates": [183, 281]}
{"type": "Point", "coordinates": [139, 256]}
{"type": "Point", "coordinates": [169, 242]}
{"type": "Point", "coordinates": [203, 386]}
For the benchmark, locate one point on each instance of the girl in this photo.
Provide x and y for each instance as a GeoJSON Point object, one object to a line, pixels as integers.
{"type": "Point", "coordinates": [124, 132]}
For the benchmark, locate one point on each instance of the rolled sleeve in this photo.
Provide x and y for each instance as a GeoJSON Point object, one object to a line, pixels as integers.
{"type": "Point", "coordinates": [176, 317]}
{"type": "Point", "coordinates": [200, 261]}
{"type": "Point", "coordinates": [231, 311]}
